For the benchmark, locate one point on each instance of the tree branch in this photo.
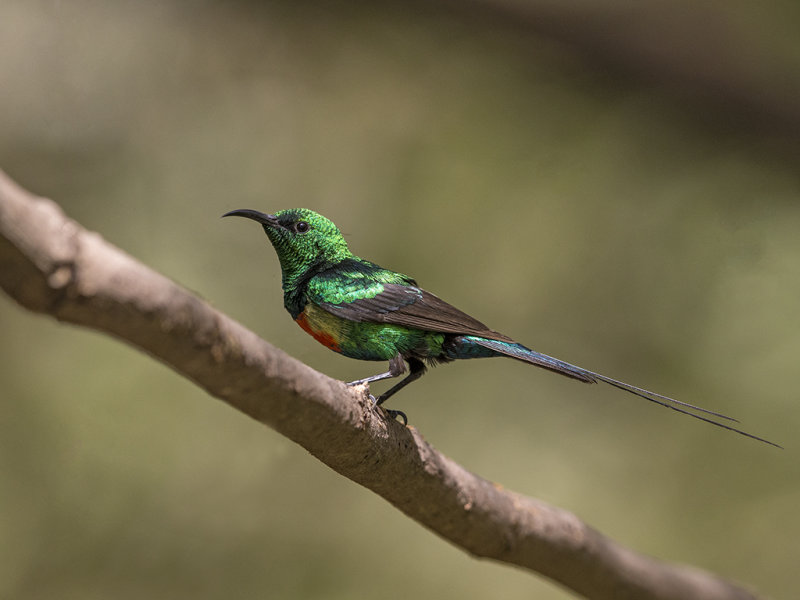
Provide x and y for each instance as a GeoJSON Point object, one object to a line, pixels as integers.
{"type": "Point", "coordinates": [50, 264]}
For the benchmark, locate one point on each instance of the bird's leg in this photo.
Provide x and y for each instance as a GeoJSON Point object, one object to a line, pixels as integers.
{"type": "Point", "coordinates": [416, 370]}
{"type": "Point", "coordinates": [396, 368]}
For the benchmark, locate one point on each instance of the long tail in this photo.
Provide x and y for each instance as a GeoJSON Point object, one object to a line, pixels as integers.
{"type": "Point", "coordinates": [527, 355]}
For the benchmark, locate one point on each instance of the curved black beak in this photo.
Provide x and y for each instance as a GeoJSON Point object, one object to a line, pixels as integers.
{"type": "Point", "coordinates": [259, 217]}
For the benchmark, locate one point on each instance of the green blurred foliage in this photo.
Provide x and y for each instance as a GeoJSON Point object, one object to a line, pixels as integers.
{"type": "Point", "coordinates": [589, 217]}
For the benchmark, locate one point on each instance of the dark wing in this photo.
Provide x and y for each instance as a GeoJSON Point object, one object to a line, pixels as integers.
{"type": "Point", "coordinates": [410, 306]}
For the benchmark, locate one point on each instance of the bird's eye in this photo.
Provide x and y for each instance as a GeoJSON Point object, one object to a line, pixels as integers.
{"type": "Point", "coordinates": [301, 227]}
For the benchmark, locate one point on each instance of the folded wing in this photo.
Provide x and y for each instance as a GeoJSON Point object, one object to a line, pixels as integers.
{"type": "Point", "coordinates": [410, 306]}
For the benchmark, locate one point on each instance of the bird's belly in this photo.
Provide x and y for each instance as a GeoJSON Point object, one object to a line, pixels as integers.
{"type": "Point", "coordinates": [368, 341]}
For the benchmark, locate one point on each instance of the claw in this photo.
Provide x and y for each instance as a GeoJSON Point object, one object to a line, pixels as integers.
{"type": "Point", "coordinates": [393, 414]}
{"type": "Point", "coordinates": [376, 404]}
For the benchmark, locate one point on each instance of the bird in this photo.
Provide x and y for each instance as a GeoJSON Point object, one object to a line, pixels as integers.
{"type": "Point", "coordinates": [363, 311]}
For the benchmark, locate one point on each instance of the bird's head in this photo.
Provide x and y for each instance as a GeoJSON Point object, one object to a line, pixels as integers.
{"type": "Point", "coordinates": [302, 238]}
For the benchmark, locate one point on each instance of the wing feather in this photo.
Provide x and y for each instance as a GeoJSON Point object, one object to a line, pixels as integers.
{"type": "Point", "coordinates": [411, 306]}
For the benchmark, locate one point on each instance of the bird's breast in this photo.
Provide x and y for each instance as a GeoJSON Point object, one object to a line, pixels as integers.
{"type": "Point", "coordinates": [321, 325]}
{"type": "Point", "coordinates": [367, 340]}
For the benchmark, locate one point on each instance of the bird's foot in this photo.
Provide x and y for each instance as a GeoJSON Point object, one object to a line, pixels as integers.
{"type": "Point", "coordinates": [393, 414]}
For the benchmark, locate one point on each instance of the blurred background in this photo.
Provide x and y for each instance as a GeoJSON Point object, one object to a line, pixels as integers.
{"type": "Point", "coordinates": [616, 186]}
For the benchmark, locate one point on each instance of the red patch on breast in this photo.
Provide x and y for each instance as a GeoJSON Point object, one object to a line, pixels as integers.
{"type": "Point", "coordinates": [323, 337]}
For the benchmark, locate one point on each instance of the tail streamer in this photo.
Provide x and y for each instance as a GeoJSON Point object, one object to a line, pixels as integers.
{"type": "Point", "coordinates": [520, 352]}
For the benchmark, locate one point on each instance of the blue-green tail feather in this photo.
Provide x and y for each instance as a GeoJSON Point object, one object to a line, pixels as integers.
{"type": "Point", "coordinates": [478, 347]}
{"type": "Point", "coordinates": [468, 346]}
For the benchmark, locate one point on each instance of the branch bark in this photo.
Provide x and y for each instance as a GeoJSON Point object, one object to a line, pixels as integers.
{"type": "Point", "coordinates": [50, 264]}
